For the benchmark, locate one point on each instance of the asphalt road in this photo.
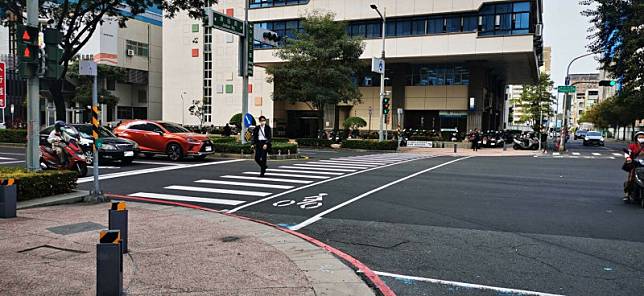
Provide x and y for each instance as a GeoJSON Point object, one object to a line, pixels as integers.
{"type": "Point", "coordinates": [435, 225]}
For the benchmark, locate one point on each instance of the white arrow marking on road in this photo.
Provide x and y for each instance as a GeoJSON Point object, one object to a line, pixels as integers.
{"type": "Point", "coordinates": [288, 175]}
{"type": "Point", "coordinates": [188, 198]}
{"type": "Point", "coordinates": [320, 215]}
{"type": "Point", "coordinates": [465, 285]}
{"type": "Point", "coordinates": [217, 190]}
{"type": "Point", "coordinates": [268, 179]}
{"type": "Point", "coordinates": [244, 184]}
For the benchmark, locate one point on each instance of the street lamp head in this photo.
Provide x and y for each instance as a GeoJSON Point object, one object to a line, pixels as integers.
{"type": "Point", "coordinates": [373, 6]}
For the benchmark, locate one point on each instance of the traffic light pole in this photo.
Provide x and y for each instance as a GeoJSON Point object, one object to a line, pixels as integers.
{"type": "Point", "coordinates": [381, 131]}
{"type": "Point", "coordinates": [33, 101]}
{"type": "Point", "coordinates": [567, 96]}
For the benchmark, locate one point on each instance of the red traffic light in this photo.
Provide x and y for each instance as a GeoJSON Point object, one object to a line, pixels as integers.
{"type": "Point", "coordinates": [25, 36]}
{"type": "Point", "coordinates": [26, 53]}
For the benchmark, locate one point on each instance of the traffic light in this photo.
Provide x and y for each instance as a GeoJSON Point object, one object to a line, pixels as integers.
{"type": "Point", "coordinates": [607, 83]}
{"type": "Point", "coordinates": [28, 50]}
{"type": "Point", "coordinates": [53, 53]}
{"type": "Point", "coordinates": [385, 105]}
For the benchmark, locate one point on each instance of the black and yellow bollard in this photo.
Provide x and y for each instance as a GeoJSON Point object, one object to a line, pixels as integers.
{"type": "Point", "coordinates": [8, 198]}
{"type": "Point", "coordinates": [117, 220]}
{"type": "Point", "coordinates": [109, 264]}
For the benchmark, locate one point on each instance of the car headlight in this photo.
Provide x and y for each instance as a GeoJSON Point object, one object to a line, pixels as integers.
{"type": "Point", "coordinates": [601, 139]}
{"type": "Point", "coordinates": [108, 147]}
{"type": "Point", "coordinates": [586, 138]}
{"type": "Point", "coordinates": [136, 145]}
{"type": "Point", "coordinates": [193, 141]}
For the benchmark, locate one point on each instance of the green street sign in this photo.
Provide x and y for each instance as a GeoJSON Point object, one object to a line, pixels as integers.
{"type": "Point", "coordinates": [567, 89]}
{"type": "Point", "coordinates": [250, 38]}
{"type": "Point", "coordinates": [224, 22]}
{"type": "Point", "coordinates": [99, 142]}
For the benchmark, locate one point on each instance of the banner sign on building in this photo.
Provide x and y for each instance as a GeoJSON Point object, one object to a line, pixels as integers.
{"type": "Point", "coordinates": [3, 85]}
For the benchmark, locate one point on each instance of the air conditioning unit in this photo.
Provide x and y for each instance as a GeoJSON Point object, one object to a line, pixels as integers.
{"type": "Point", "coordinates": [130, 52]}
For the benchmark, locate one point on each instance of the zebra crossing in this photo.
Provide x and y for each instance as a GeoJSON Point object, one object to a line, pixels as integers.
{"type": "Point", "coordinates": [247, 187]}
{"type": "Point", "coordinates": [583, 155]}
{"type": "Point", "coordinates": [6, 160]}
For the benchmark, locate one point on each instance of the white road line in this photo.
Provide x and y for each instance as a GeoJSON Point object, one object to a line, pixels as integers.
{"type": "Point", "coordinates": [316, 169]}
{"type": "Point", "coordinates": [158, 163]}
{"type": "Point", "coordinates": [6, 158]}
{"type": "Point", "coordinates": [268, 179]}
{"type": "Point", "coordinates": [245, 184]}
{"type": "Point", "coordinates": [465, 285]}
{"type": "Point", "coordinates": [153, 170]}
{"type": "Point", "coordinates": [217, 190]}
{"type": "Point", "coordinates": [289, 175]}
{"type": "Point", "coordinates": [10, 153]}
{"type": "Point", "coordinates": [10, 162]}
{"type": "Point", "coordinates": [612, 157]}
{"type": "Point", "coordinates": [556, 153]}
{"type": "Point", "coordinates": [230, 202]}
{"type": "Point", "coordinates": [330, 166]}
{"type": "Point", "coordinates": [617, 154]}
{"type": "Point", "coordinates": [596, 154]}
{"type": "Point", "coordinates": [317, 183]}
{"type": "Point", "coordinates": [352, 165]}
{"type": "Point", "coordinates": [321, 214]}
{"type": "Point", "coordinates": [368, 164]}
{"type": "Point", "coordinates": [109, 167]}
{"type": "Point", "coordinates": [304, 172]}
{"type": "Point", "coordinates": [576, 153]}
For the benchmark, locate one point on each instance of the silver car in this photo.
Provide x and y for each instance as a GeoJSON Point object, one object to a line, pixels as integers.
{"type": "Point", "coordinates": [593, 138]}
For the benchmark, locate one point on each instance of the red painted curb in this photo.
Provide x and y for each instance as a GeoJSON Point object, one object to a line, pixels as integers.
{"type": "Point", "coordinates": [373, 277]}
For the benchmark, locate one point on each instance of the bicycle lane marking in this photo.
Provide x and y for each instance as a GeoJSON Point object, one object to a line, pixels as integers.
{"type": "Point", "coordinates": [321, 182]}
{"type": "Point", "coordinates": [319, 216]}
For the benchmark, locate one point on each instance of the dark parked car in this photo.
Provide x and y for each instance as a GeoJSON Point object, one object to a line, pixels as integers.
{"type": "Point", "coordinates": [113, 148]}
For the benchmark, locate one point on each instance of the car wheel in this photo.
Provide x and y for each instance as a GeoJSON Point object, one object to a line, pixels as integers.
{"type": "Point", "coordinates": [127, 161]}
{"type": "Point", "coordinates": [174, 152]}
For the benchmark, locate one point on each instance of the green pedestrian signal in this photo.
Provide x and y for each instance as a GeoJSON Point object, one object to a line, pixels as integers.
{"type": "Point", "coordinates": [386, 105]}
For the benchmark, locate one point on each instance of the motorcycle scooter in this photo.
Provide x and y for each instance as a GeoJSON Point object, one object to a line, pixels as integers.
{"type": "Point", "coordinates": [637, 191]}
{"type": "Point", "coordinates": [526, 143]}
{"type": "Point", "coordinates": [76, 159]}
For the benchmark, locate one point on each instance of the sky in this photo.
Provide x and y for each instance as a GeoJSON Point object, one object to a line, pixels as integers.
{"type": "Point", "coordinates": [564, 30]}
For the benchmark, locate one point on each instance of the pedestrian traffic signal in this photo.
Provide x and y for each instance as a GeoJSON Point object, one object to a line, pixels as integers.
{"type": "Point", "coordinates": [53, 53]}
{"type": "Point", "coordinates": [607, 83]}
{"type": "Point", "coordinates": [385, 105]}
{"type": "Point", "coordinates": [28, 50]}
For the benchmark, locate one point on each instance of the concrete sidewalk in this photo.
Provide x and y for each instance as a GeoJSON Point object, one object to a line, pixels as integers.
{"type": "Point", "coordinates": [469, 152]}
{"type": "Point", "coordinates": [178, 251]}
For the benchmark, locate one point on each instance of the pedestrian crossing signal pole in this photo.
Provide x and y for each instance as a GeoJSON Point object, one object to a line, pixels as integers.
{"type": "Point", "coordinates": [88, 67]}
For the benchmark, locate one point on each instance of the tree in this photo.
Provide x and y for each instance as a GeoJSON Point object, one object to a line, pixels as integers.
{"type": "Point", "coordinates": [78, 20]}
{"type": "Point", "coordinates": [536, 101]}
{"type": "Point", "coordinates": [83, 84]}
{"type": "Point", "coordinates": [354, 123]}
{"type": "Point", "coordinates": [196, 109]}
{"type": "Point", "coordinates": [319, 65]}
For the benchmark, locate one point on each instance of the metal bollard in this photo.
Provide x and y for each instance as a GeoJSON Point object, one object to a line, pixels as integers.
{"type": "Point", "coordinates": [109, 264]}
{"type": "Point", "coordinates": [8, 198]}
{"type": "Point", "coordinates": [455, 145]}
{"type": "Point", "coordinates": [242, 153]}
{"type": "Point", "coordinates": [443, 145]}
{"type": "Point", "coordinates": [117, 220]}
{"type": "Point", "coordinates": [504, 147]}
{"type": "Point", "coordinates": [289, 152]}
{"type": "Point", "coordinates": [279, 152]}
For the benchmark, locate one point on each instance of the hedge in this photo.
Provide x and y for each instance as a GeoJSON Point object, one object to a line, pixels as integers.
{"type": "Point", "coordinates": [370, 145]}
{"type": "Point", "coordinates": [13, 136]}
{"type": "Point", "coordinates": [40, 184]}
{"type": "Point", "coordinates": [313, 142]}
{"type": "Point", "coordinates": [236, 148]}
{"type": "Point", "coordinates": [223, 139]}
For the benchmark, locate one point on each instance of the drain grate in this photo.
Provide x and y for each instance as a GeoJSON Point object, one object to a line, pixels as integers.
{"type": "Point", "coordinates": [76, 228]}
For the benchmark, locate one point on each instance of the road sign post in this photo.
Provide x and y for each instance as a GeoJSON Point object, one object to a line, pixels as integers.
{"type": "Point", "coordinates": [88, 67]}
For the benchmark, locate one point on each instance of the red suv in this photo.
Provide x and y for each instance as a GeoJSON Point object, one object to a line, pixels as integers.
{"type": "Point", "coordinates": [157, 137]}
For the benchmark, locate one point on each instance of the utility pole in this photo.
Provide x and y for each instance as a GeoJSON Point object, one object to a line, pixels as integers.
{"type": "Point", "coordinates": [567, 96]}
{"type": "Point", "coordinates": [33, 101]}
{"type": "Point", "coordinates": [383, 16]}
{"type": "Point", "coordinates": [244, 71]}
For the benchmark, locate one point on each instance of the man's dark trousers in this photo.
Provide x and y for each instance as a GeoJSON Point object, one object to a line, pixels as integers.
{"type": "Point", "coordinates": [260, 156]}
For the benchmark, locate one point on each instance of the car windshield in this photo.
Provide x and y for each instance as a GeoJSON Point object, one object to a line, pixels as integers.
{"type": "Point", "coordinates": [593, 134]}
{"type": "Point", "coordinates": [86, 131]}
{"type": "Point", "coordinates": [173, 128]}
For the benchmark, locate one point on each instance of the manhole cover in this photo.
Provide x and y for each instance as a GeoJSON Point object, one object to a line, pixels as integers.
{"type": "Point", "coordinates": [76, 228]}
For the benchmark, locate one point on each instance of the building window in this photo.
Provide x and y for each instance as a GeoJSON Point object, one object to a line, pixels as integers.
{"type": "Point", "coordinates": [139, 48]}
{"type": "Point", "coordinates": [436, 25]}
{"type": "Point", "coordinates": [128, 112]}
{"type": "Point", "coordinates": [504, 19]}
{"type": "Point", "coordinates": [110, 84]}
{"type": "Point", "coordinates": [207, 74]}
{"type": "Point", "coordinates": [254, 4]}
{"type": "Point", "coordinates": [143, 96]}
{"type": "Point", "coordinates": [425, 75]}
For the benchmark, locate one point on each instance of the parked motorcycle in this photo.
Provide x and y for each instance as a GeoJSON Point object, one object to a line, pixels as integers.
{"type": "Point", "coordinates": [526, 142]}
{"type": "Point", "coordinates": [491, 139]}
{"type": "Point", "coordinates": [76, 158]}
{"type": "Point", "coordinates": [637, 191]}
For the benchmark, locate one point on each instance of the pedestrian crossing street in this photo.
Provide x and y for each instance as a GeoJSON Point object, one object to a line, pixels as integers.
{"type": "Point", "coordinates": [583, 155]}
{"type": "Point", "coordinates": [232, 190]}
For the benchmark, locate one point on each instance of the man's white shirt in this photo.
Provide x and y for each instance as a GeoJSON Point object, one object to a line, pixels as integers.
{"type": "Point", "coordinates": [262, 135]}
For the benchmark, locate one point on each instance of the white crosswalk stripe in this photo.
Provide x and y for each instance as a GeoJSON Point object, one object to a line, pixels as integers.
{"type": "Point", "coordinates": [368, 164]}
{"type": "Point", "coordinates": [351, 165]}
{"type": "Point", "coordinates": [289, 175]}
{"type": "Point", "coordinates": [244, 184]}
{"type": "Point", "coordinates": [326, 168]}
{"type": "Point", "coordinates": [294, 181]}
{"type": "Point", "coordinates": [576, 153]}
{"type": "Point", "coordinates": [596, 154]}
{"type": "Point", "coordinates": [217, 190]}
{"type": "Point", "coordinates": [188, 198]}
{"type": "Point", "coordinates": [617, 154]}
{"type": "Point", "coordinates": [299, 170]}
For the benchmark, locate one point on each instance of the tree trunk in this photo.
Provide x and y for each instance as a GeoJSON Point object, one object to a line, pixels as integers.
{"type": "Point", "coordinates": [321, 129]}
{"type": "Point", "coordinates": [624, 133]}
{"type": "Point", "coordinates": [632, 129]}
{"type": "Point", "coordinates": [56, 90]}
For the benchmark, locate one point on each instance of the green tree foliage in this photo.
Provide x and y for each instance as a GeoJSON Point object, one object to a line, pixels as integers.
{"type": "Point", "coordinates": [83, 84]}
{"type": "Point", "coordinates": [79, 19]}
{"type": "Point", "coordinates": [354, 123]}
{"type": "Point", "coordinates": [537, 100]}
{"type": "Point", "coordinates": [319, 65]}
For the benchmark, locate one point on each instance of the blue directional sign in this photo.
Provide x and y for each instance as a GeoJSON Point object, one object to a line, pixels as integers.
{"type": "Point", "coordinates": [248, 120]}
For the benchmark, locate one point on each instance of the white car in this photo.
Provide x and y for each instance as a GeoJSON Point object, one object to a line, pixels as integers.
{"type": "Point", "coordinates": [593, 138]}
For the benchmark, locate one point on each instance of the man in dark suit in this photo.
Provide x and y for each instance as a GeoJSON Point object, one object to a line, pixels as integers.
{"type": "Point", "coordinates": [261, 140]}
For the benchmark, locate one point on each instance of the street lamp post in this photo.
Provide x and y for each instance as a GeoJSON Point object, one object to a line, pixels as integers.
{"type": "Point", "coordinates": [383, 16]}
{"type": "Point", "coordinates": [183, 106]}
{"type": "Point", "coordinates": [562, 136]}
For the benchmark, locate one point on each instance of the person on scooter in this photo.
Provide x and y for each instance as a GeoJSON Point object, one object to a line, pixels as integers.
{"type": "Point", "coordinates": [55, 138]}
{"type": "Point", "coordinates": [635, 149]}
